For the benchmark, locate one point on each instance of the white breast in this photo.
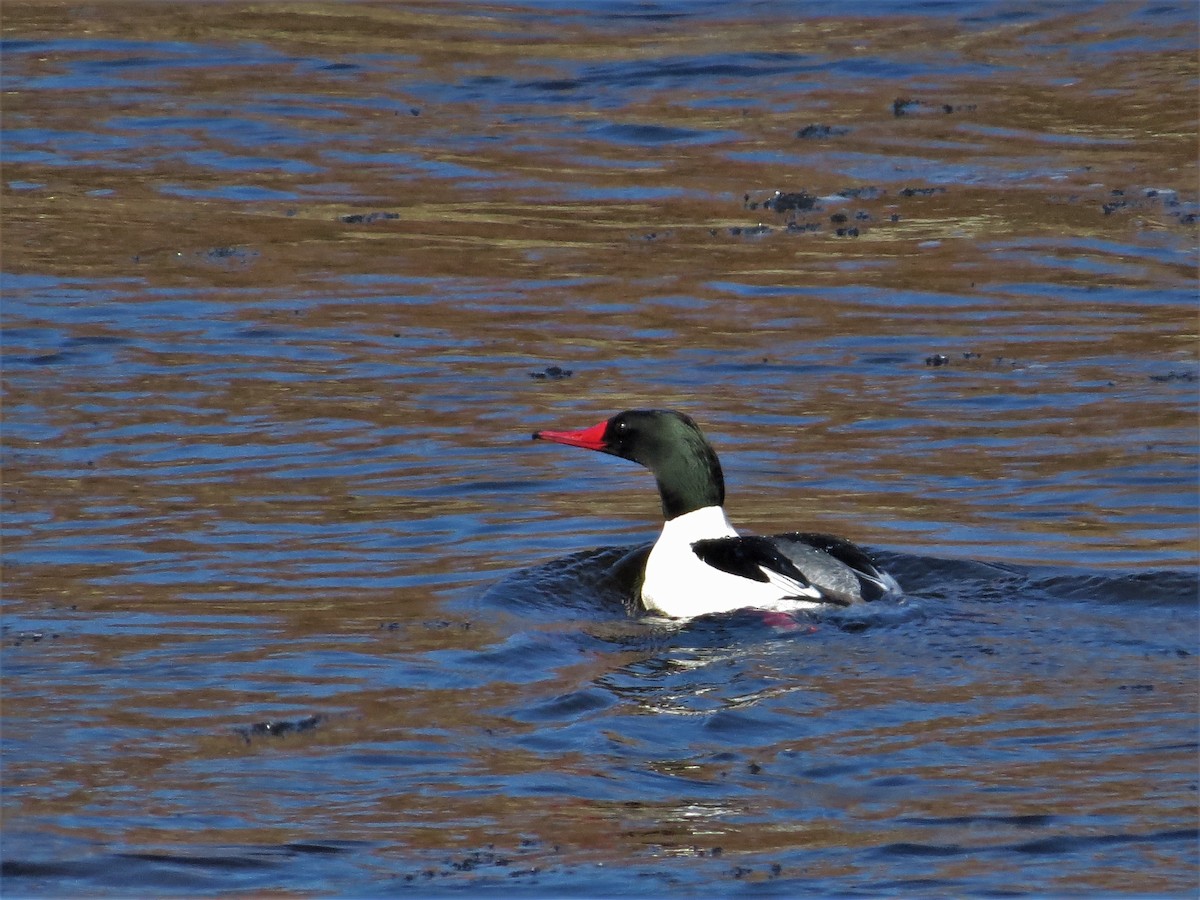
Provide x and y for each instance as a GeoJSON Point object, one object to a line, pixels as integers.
{"type": "Point", "coordinates": [679, 584]}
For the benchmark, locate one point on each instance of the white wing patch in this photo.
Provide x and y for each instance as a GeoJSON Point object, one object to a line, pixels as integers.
{"type": "Point", "coordinates": [790, 586]}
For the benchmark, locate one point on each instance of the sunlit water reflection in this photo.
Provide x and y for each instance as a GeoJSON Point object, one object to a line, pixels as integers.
{"type": "Point", "coordinates": [292, 602]}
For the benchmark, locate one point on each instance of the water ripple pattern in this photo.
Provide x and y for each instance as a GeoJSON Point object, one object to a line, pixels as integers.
{"type": "Point", "coordinates": [291, 603]}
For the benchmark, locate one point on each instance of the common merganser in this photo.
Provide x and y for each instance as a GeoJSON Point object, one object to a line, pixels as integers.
{"type": "Point", "coordinates": [700, 564]}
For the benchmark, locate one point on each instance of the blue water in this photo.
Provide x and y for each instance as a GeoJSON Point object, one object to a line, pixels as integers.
{"type": "Point", "coordinates": [291, 602]}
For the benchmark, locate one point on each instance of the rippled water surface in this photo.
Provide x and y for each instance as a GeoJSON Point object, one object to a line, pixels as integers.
{"type": "Point", "coordinates": [292, 603]}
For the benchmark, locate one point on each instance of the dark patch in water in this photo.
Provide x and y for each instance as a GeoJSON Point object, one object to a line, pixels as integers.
{"type": "Point", "coordinates": [205, 861]}
{"type": "Point", "coordinates": [369, 218]}
{"type": "Point", "coordinates": [552, 373]}
{"type": "Point", "coordinates": [792, 201]}
{"type": "Point", "coordinates": [820, 132]}
{"type": "Point", "coordinates": [19, 638]}
{"type": "Point", "coordinates": [906, 848]}
{"type": "Point", "coordinates": [49, 359]}
{"type": "Point", "coordinates": [95, 340]}
{"type": "Point", "coordinates": [554, 85]}
{"type": "Point", "coordinates": [1056, 845]}
{"type": "Point", "coordinates": [868, 192]}
{"type": "Point", "coordinates": [650, 135]}
{"type": "Point", "coordinates": [236, 254]}
{"type": "Point", "coordinates": [280, 727]}
{"type": "Point", "coordinates": [322, 849]}
{"type": "Point", "coordinates": [903, 106]}
{"type": "Point", "coordinates": [605, 579]}
{"type": "Point", "coordinates": [1152, 588]}
{"type": "Point", "coordinates": [1031, 820]}
{"type": "Point", "coordinates": [259, 333]}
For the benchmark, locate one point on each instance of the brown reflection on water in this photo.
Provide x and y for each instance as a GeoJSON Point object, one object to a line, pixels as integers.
{"type": "Point", "coordinates": [1100, 124]}
{"type": "Point", "coordinates": [1056, 143]}
{"type": "Point", "coordinates": [332, 424]}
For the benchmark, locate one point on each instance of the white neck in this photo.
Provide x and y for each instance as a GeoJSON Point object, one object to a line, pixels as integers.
{"type": "Point", "coordinates": [698, 525]}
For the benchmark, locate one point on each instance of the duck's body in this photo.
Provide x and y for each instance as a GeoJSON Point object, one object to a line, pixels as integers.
{"type": "Point", "coordinates": [700, 564]}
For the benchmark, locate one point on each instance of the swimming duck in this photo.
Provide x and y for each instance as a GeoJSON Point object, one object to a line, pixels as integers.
{"type": "Point", "coordinates": [700, 564]}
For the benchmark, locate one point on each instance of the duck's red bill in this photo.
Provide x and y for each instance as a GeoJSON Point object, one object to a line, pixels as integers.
{"type": "Point", "coordinates": [590, 438]}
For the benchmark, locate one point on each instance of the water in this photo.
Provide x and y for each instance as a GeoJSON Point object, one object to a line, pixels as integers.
{"type": "Point", "coordinates": [291, 601]}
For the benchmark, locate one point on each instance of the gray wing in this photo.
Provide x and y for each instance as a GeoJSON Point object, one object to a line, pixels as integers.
{"type": "Point", "coordinates": [839, 568]}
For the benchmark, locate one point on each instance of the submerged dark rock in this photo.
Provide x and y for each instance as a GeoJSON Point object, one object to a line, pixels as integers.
{"type": "Point", "coordinates": [280, 727]}
{"type": "Point", "coordinates": [552, 373]}
{"type": "Point", "coordinates": [794, 200]}
{"type": "Point", "coordinates": [903, 106]}
{"type": "Point", "coordinates": [819, 132]}
{"type": "Point", "coordinates": [368, 218]}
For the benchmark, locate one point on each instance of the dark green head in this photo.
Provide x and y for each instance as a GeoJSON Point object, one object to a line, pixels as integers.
{"type": "Point", "coordinates": [666, 442]}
